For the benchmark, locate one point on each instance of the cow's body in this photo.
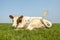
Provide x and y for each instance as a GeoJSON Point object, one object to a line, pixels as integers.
{"type": "Point", "coordinates": [30, 22]}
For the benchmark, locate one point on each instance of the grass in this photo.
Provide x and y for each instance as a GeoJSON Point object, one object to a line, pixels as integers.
{"type": "Point", "coordinates": [8, 33]}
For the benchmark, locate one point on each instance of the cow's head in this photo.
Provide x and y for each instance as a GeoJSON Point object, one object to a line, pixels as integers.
{"type": "Point", "coordinates": [16, 20]}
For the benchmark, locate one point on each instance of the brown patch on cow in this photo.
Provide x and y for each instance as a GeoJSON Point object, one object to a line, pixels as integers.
{"type": "Point", "coordinates": [11, 16]}
{"type": "Point", "coordinates": [19, 20]}
{"type": "Point", "coordinates": [48, 24]}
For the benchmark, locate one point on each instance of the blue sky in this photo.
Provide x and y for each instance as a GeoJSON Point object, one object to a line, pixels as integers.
{"type": "Point", "coordinates": [29, 8]}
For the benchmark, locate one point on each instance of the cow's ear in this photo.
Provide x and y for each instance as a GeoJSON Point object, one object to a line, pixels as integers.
{"type": "Point", "coordinates": [11, 16]}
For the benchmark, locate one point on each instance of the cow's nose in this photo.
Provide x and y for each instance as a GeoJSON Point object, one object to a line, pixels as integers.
{"type": "Point", "coordinates": [14, 27]}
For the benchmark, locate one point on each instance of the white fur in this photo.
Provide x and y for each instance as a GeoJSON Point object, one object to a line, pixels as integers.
{"type": "Point", "coordinates": [36, 23]}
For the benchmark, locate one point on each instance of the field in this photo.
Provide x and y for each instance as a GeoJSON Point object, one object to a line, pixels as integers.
{"type": "Point", "coordinates": [8, 33]}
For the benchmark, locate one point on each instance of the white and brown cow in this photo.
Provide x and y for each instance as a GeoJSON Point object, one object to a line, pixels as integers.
{"type": "Point", "coordinates": [30, 22]}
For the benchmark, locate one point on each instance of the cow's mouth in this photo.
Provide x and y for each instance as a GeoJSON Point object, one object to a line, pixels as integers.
{"type": "Point", "coordinates": [14, 27]}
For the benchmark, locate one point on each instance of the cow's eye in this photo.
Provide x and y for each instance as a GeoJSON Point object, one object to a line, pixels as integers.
{"type": "Point", "coordinates": [20, 20]}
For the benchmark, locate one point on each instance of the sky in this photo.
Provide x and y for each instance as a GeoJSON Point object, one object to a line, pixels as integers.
{"type": "Point", "coordinates": [29, 8]}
